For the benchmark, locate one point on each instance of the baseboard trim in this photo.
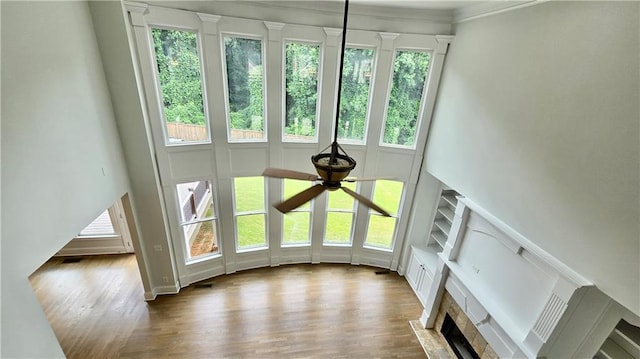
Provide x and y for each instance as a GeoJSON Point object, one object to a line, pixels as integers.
{"type": "Point", "coordinates": [161, 290]}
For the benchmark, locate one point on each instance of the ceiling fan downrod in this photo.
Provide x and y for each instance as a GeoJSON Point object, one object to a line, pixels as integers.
{"type": "Point", "coordinates": [339, 164]}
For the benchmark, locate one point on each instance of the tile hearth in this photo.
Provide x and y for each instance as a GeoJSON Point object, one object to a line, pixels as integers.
{"type": "Point", "coordinates": [434, 344]}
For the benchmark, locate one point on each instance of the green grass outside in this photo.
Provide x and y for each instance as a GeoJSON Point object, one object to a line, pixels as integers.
{"type": "Point", "coordinates": [249, 197]}
{"type": "Point", "coordinates": [251, 228]}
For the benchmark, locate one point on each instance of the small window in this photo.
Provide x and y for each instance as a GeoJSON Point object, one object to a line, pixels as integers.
{"type": "Point", "coordinates": [250, 213]}
{"type": "Point", "coordinates": [198, 219]}
{"type": "Point", "coordinates": [180, 86]}
{"type": "Point", "coordinates": [101, 226]}
{"type": "Point", "coordinates": [297, 223]}
{"type": "Point", "coordinates": [245, 88]}
{"type": "Point", "coordinates": [301, 84]}
{"type": "Point", "coordinates": [340, 214]}
{"type": "Point", "coordinates": [381, 230]}
{"type": "Point", "coordinates": [403, 111]}
{"type": "Point", "coordinates": [354, 98]}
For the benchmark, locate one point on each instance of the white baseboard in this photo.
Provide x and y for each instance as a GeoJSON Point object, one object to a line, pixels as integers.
{"type": "Point", "coordinates": [161, 290]}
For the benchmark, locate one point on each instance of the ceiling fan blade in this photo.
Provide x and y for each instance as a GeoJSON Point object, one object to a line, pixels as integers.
{"type": "Point", "coordinates": [364, 200]}
{"type": "Point", "coordinates": [282, 173]}
{"type": "Point", "coordinates": [360, 179]}
{"type": "Point", "coordinates": [300, 198]}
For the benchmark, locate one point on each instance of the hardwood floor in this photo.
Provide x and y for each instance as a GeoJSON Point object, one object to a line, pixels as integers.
{"type": "Point", "coordinates": [96, 309]}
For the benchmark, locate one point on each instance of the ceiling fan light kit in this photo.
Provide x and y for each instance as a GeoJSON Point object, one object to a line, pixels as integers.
{"type": "Point", "coordinates": [333, 166]}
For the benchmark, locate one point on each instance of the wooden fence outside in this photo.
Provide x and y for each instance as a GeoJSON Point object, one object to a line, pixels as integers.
{"type": "Point", "coordinates": [188, 132]}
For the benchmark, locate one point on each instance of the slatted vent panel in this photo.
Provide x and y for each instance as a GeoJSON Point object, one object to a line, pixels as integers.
{"type": "Point", "coordinates": [549, 318]}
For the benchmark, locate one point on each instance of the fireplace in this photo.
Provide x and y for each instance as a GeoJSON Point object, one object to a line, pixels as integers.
{"type": "Point", "coordinates": [465, 334]}
{"type": "Point", "coordinates": [457, 341]}
{"type": "Point", "coordinates": [536, 308]}
{"type": "Point", "coordinates": [509, 298]}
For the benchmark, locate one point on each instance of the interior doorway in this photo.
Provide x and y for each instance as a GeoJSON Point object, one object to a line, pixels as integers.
{"type": "Point", "coordinates": [109, 233]}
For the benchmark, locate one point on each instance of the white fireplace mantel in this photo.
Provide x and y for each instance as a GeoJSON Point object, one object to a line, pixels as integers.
{"type": "Point", "coordinates": [517, 295]}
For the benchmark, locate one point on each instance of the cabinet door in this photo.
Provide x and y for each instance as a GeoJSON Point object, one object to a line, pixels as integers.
{"type": "Point", "coordinates": [424, 285]}
{"type": "Point", "coordinates": [414, 272]}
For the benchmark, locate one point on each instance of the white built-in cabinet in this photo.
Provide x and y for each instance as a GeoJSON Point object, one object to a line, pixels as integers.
{"type": "Point", "coordinates": [419, 274]}
{"type": "Point", "coordinates": [622, 343]}
{"type": "Point", "coordinates": [443, 218]}
{"type": "Point", "coordinates": [424, 256]}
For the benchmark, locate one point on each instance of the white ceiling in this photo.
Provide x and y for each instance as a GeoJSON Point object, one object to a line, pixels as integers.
{"type": "Point", "coordinates": [436, 10]}
{"type": "Point", "coordinates": [419, 4]}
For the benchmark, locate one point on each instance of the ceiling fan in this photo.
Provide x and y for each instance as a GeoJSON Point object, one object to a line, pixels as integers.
{"type": "Point", "coordinates": [333, 167]}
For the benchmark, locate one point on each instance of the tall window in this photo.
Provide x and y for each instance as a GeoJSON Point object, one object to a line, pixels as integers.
{"type": "Point", "coordinates": [250, 213]}
{"type": "Point", "coordinates": [297, 223]}
{"type": "Point", "coordinates": [197, 218]}
{"type": "Point", "coordinates": [354, 98]}
{"type": "Point", "coordinates": [180, 85]}
{"type": "Point", "coordinates": [245, 85]}
{"type": "Point", "coordinates": [301, 83]}
{"type": "Point", "coordinates": [381, 230]}
{"type": "Point", "coordinates": [409, 75]}
{"type": "Point", "coordinates": [340, 213]}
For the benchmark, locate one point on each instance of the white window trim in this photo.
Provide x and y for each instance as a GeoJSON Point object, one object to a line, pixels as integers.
{"type": "Point", "coordinates": [225, 84]}
{"type": "Point", "coordinates": [237, 214]}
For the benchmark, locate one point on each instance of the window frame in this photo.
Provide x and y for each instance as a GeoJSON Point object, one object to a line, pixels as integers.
{"type": "Point", "coordinates": [158, 87]}
{"type": "Point", "coordinates": [423, 98]}
{"type": "Point", "coordinates": [225, 83]}
{"type": "Point", "coordinates": [237, 214]}
{"type": "Point", "coordinates": [298, 210]}
{"type": "Point", "coordinates": [354, 216]}
{"type": "Point", "coordinates": [396, 216]}
{"type": "Point", "coordinates": [321, 50]}
{"type": "Point", "coordinates": [110, 212]}
{"type": "Point", "coordinates": [374, 68]}
{"type": "Point", "coordinates": [213, 219]}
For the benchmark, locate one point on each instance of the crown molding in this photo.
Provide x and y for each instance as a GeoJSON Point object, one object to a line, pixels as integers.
{"type": "Point", "coordinates": [323, 8]}
{"type": "Point", "coordinates": [489, 8]}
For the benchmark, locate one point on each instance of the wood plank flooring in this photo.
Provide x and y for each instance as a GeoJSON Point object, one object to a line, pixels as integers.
{"type": "Point", "coordinates": [96, 309]}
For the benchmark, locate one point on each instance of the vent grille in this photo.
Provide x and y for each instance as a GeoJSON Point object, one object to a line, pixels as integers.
{"type": "Point", "coordinates": [550, 316]}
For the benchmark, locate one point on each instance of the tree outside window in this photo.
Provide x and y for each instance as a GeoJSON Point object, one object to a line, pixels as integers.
{"type": "Point", "coordinates": [301, 83]}
{"type": "Point", "coordinates": [354, 98]}
{"type": "Point", "coordinates": [245, 87]}
{"type": "Point", "coordinates": [409, 75]}
{"type": "Point", "coordinates": [180, 85]}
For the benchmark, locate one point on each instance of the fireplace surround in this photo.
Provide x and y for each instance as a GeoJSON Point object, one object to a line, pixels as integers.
{"type": "Point", "coordinates": [450, 314]}
{"type": "Point", "coordinates": [515, 313]}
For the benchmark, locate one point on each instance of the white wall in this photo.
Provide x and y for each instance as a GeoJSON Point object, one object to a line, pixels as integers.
{"type": "Point", "coordinates": [58, 135]}
{"type": "Point", "coordinates": [111, 33]}
{"type": "Point", "coordinates": [537, 121]}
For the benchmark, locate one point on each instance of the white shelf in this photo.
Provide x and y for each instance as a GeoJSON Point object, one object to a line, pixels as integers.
{"type": "Point", "coordinates": [444, 226]}
{"type": "Point", "coordinates": [450, 199]}
{"type": "Point", "coordinates": [439, 237]}
{"type": "Point", "coordinates": [447, 213]}
{"type": "Point", "coordinates": [611, 350]}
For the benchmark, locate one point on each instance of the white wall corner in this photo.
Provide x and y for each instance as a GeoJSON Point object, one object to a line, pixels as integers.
{"type": "Point", "coordinates": [443, 43]}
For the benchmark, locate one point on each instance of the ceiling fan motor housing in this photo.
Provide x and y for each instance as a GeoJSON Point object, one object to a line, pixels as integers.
{"type": "Point", "coordinates": [333, 173]}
